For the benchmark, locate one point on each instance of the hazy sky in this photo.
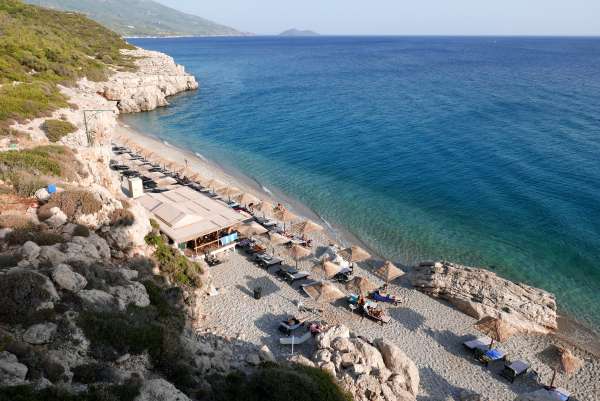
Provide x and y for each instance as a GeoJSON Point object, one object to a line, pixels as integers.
{"type": "Point", "coordinates": [406, 17]}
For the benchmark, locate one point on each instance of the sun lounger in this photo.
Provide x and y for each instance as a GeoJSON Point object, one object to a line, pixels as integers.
{"type": "Point", "coordinates": [374, 313]}
{"type": "Point", "coordinates": [560, 394]}
{"type": "Point", "coordinates": [481, 343]}
{"type": "Point", "coordinates": [295, 340]}
{"type": "Point", "coordinates": [293, 277]}
{"type": "Point", "coordinates": [491, 355]}
{"type": "Point", "coordinates": [515, 369]}
{"type": "Point", "coordinates": [290, 325]}
{"type": "Point", "coordinates": [268, 260]}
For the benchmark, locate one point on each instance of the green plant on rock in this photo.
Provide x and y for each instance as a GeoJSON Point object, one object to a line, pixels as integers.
{"type": "Point", "coordinates": [177, 266]}
{"type": "Point", "coordinates": [56, 129]}
{"type": "Point", "coordinates": [34, 233]}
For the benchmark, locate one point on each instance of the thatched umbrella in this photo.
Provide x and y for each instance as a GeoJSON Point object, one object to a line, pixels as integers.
{"type": "Point", "coordinates": [565, 362]}
{"type": "Point", "coordinates": [298, 252]}
{"type": "Point", "coordinates": [265, 207]}
{"type": "Point", "coordinates": [284, 215]}
{"type": "Point", "coordinates": [361, 285]}
{"type": "Point", "coordinates": [277, 239]}
{"type": "Point", "coordinates": [355, 254]}
{"type": "Point", "coordinates": [228, 192]}
{"type": "Point", "coordinates": [306, 227]}
{"type": "Point", "coordinates": [246, 199]}
{"type": "Point", "coordinates": [389, 272]}
{"type": "Point", "coordinates": [329, 268]}
{"type": "Point", "coordinates": [251, 228]}
{"type": "Point", "coordinates": [197, 178]}
{"type": "Point", "coordinates": [495, 328]}
{"type": "Point", "coordinates": [323, 292]}
{"type": "Point", "coordinates": [214, 183]}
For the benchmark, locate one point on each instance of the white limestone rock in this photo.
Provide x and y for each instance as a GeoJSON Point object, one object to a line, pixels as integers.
{"type": "Point", "coordinates": [30, 251]}
{"type": "Point", "coordinates": [160, 390]}
{"type": "Point", "coordinates": [67, 279]}
{"type": "Point", "coordinates": [397, 362]}
{"type": "Point", "coordinates": [134, 293]}
{"type": "Point", "coordinates": [39, 334]}
{"type": "Point", "coordinates": [98, 300]}
{"type": "Point", "coordinates": [12, 372]}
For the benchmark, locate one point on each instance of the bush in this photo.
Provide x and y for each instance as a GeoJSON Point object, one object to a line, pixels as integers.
{"type": "Point", "coordinates": [125, 392]}
{"type": "Point", "coordinates": [177, 266]}
{"type": "Point", "coordinates": [9, 260]}
{"type": "Point", "coordinates": [13, 220]}
{"type": "Point", "coordinates": [22, 292]}
{"type": "Point", "coordinates": [56, 129]}
{"type": "Point", "coordinates": [81, 231]}
{"type": "Point", "coordinates": [51, 160]}
{"type": "Point", "coordinates": [121, 217]}
{"type": "Point", "coordinates": [25, 184]}
{"type": "Point", "coordinates": [72, 203]}
{"type": "Point", "coordinates": [274, 382]}
{"type": "Point", "coordinates": [36, 234]}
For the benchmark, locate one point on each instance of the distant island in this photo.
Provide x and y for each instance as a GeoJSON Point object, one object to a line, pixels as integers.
{"type": "Point", "coordinates": [141, 18]}
{"type": "Point", "coordinates": [298, 32]}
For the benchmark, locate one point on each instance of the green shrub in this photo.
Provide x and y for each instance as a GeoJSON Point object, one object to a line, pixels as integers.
{"type": "Point", "coordinates": [121, 217]}
{"type": "Point", "coordinates": [125, 392]}
{"type": "Point", "coordinates": [274, 382]}
{"type": "Point", "coordinates": [36, 234]}
{"type": "Point", "coordinates": [56, 129]}
{"type": "Point", "coordinates": [9, 260]}
{"type": "Point", "coordinates": [14, 220]}
{"type": "Point", "coordinates": [51, 160]}
{"type": "Point", "coordinates": [81, 231]}
{"type": "Point", "coordinates": [25, 184]}
{"type": "Point", "coordinates": [72, 203]}
{"type": "Point", "coordinates": [177, 266]}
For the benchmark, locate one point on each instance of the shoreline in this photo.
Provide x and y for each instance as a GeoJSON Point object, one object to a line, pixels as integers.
{"type": "Point", "coordinates": [570, 329]}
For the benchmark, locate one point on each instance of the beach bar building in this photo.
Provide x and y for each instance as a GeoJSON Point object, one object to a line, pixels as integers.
{"type": "Point", "coordinates": [194, 223]}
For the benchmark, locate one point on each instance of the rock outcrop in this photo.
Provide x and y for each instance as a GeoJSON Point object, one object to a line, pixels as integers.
{"type": "Point", "coordinates": [369, 371]}
{"type": "Point", "coordinates": [479, 293]}
{"type": "Point", "coordinates": [146, 89]}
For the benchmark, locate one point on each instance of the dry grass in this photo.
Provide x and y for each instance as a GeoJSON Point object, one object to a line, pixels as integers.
{"type": "Point", "coordinates": [14, 220]}
{"type": "Point", "coordinates": [72, 203]}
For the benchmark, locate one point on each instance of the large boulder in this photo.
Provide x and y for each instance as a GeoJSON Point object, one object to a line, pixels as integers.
{"type": "Point", "coordinates": [400, 364]}
{"type": "Point", "coordinates": [98, 300]}
{"type": "Point", "coordinates": [23, 292]}
{"type": "Point", "coordinates": [12, 373]}
{"type": "Point", "coordinates": [39, 334]}
{"type": "Point", "coordinates": [51, 255]}
{"type": "Point", "coordinates": [325, 338]}
{"type": "Point", "coordinates": [160, 390]}
{"type": "Point", "coordinates": [57, 218]}
{"type": "Point", "coordinates": [126, 237]}
{"type": "Point", "coordinates": [67, 279]}
{"type": "Point", "coordinates": [479, 293]}
{"type": "Point", "coordinates": [134, 293]}
{"type": "Point", "coordinates": [86, 249]}
{"type": "Point", "coordinates": [30, 251]}
{"type": "Point", "coordinates": [369, 355]}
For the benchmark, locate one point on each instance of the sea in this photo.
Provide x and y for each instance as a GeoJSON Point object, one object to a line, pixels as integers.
{"type": "Point", "coordinates": [484, 151]}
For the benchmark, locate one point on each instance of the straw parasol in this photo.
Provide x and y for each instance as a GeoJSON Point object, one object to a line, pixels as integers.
{"type": "Point", "coordinates": [229, 192]}
{"type": "Point", "coordinates": [361, 285]}
{"type": "Point", "coordinates": [565, 362]}
{"type": "Point", "coordinates": [389, 272]}
{"type": "Point", "coordinates": [277, 239]}
{"type": "Point", "coordinates": [355, 254]}
{"type": "Point", "coordinates": [323, 292]}
{"type": "Point", "coordinates": [246, 199]}
{"type": "Point", "coordinates": [298, 252]}
{"type": "Point", "coordinates": [284, 215]}
{"type": "Point", "coordinates": [251, 228]}
{"type": "Point", "coordinates": [306, 227]}
{"type": "Point", "coordinates": [265, 207]}
{"type": "Point", "coordinates": [495, 328]}
{"type": "Point", "coordinates": [197, 178]}
{"type": "Point", "coordinates": [214, 183]}
{"type": "Point", "coordinates": [330, 268]}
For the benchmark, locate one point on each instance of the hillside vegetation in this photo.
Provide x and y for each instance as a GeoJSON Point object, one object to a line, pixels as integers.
{"type": "Point", "coordinates": [141, 17]}
{"type": "Point", "coordinates": [40, 48]}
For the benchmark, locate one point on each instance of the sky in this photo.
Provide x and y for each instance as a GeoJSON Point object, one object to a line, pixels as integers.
{"type": "Point", "coordinates": [402, 17]}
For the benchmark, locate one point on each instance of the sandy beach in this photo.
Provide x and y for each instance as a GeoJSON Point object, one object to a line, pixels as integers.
{"type": "Point", "coordinates": [431, 332]}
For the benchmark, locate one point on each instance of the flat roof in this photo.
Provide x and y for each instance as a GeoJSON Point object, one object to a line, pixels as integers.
{"type": "Point", "coordinates": [184, 214]}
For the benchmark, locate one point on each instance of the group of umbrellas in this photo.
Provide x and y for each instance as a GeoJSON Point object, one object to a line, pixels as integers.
{"type": "Point", "coordinates": [499, 330]}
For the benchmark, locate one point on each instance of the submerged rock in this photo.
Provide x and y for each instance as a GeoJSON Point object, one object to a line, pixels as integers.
{"type": "Point", "coordinates": [479, 293]}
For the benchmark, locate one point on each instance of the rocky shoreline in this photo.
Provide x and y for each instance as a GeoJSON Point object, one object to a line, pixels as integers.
{"type": "Point", "coordinates": [110, 269]}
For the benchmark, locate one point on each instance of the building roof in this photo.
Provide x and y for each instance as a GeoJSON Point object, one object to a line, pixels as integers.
{"type": "Point", "coordinates": [184, 214]}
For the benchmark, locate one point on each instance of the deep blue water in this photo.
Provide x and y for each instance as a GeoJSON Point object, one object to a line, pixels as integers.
{"type": "Point", "coordinates": [484, 151]}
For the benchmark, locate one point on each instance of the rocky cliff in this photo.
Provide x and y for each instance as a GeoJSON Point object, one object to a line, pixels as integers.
{"type": "Point", "coordinates": [158, 77]}
{"type": "Point", "coordinates": [479, 293]}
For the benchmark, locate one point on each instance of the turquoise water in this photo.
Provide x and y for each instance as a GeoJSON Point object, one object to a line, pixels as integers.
{"type": "Point", "coordinates": [483, 151]}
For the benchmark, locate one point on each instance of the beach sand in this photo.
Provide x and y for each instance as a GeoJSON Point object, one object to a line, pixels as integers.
{"type": "Point", "coordinates": [431, 332]}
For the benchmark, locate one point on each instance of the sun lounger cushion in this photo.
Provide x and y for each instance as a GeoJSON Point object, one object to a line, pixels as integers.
{"type": "Point", "coordinates": [519, 367]}
{"type": "Point", "coordinates": [478, 343]}
{"type": "Point", "coordinates": [494, 354]}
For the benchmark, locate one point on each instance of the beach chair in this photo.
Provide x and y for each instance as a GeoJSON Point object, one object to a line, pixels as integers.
{"type": "Point", "coordinates": [288, 326]}
{"type": "Point", "coordinates": [481, 343]}
{"type": "Point", "coordinates": [491, 355]}
{"type": "Point", "coordinates": [560, 393]}
{"type": "Point", "coordinates": [267, 261]}
{"type": "Point", "coordinates": [294, 275]}
{"type": "Point", "coordinates": [514, 369]}
{"type": "Point", "coordinates": [293, 340]}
